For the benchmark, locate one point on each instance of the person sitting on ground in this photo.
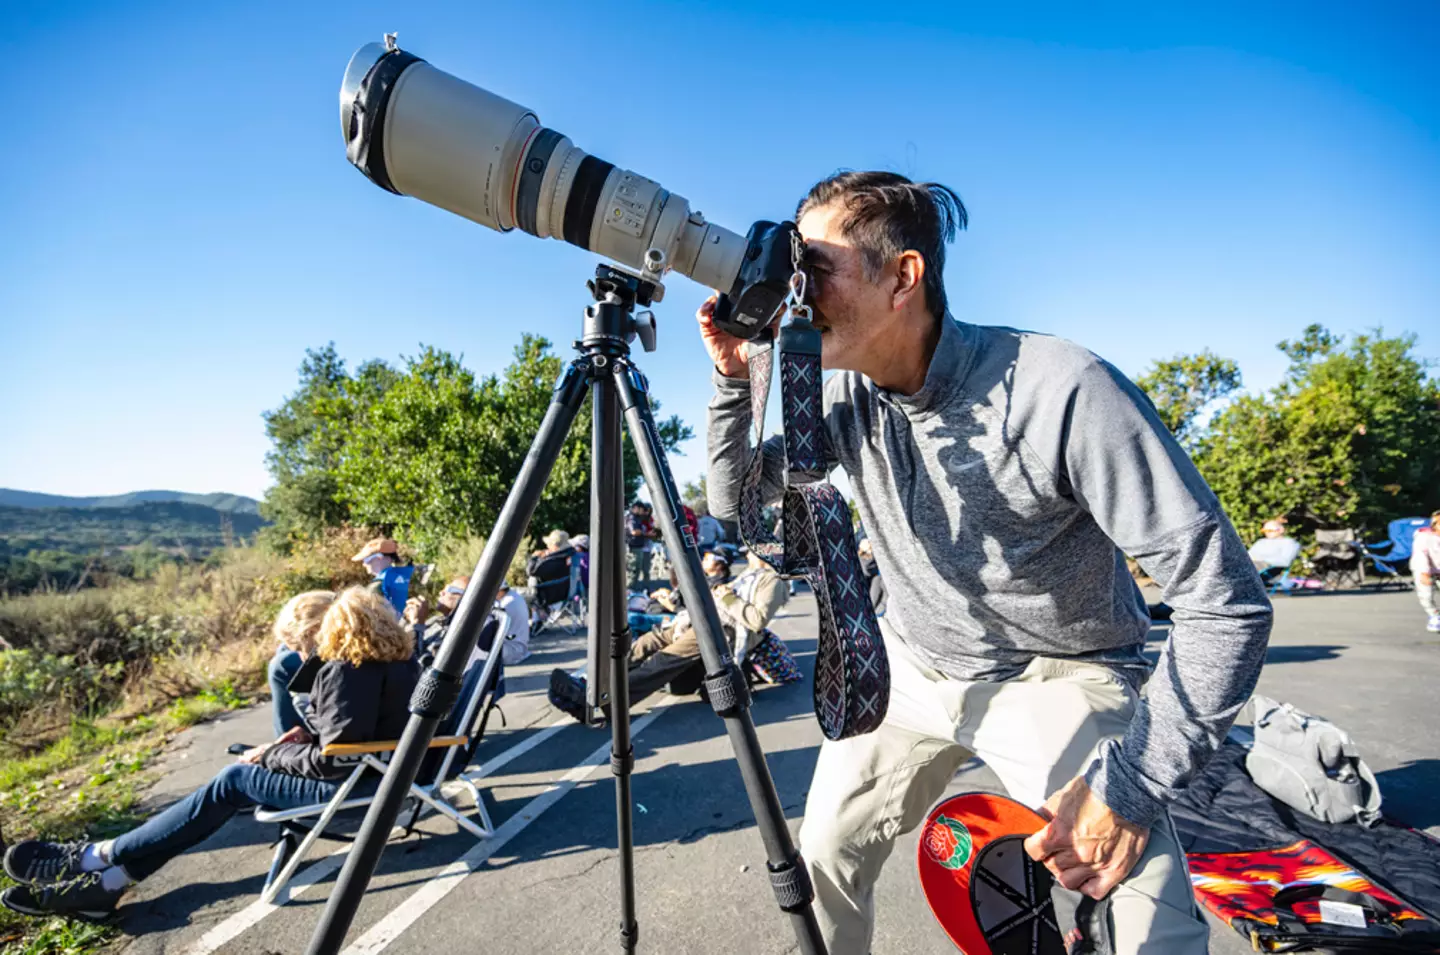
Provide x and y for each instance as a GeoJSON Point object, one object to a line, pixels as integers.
{"type": "Point", "coordinates": [1275, 551]}
{"type": "Point", "coordinates": [746, 606]}
{"type": "Point", "coordinates": [1425, 567]}
{"type": "Point", "coordinates": [360, 694]}
{"type": "Point", "coordinates": [381, 556]}
{"type": "Point", "coordinates": [295, 631]}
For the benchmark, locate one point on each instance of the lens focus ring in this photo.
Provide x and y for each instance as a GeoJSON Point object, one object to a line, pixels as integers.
{"type": "Point", "coordinates": [532, 174]}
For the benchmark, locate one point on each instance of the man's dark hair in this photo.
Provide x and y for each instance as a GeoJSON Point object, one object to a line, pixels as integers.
{"type": "Point", "coordinates": [886, 214]}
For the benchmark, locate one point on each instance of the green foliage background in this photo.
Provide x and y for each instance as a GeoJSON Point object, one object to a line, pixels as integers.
{"type": "Point", "coordinates": [1349, 438]}
{"type": "Point", "coordinates": [427, 452]}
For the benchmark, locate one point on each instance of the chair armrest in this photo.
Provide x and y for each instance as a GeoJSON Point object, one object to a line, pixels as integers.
{"type": "Point", "coordinates": [386, 746]}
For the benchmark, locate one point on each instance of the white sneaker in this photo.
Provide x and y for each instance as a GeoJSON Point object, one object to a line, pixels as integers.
{"type": "Point", "coordinates": [1434, 625]}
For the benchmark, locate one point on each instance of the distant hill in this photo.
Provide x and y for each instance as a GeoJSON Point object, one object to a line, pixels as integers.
{"type": "Point", "coordinates": [73, 546]}
{"type": "Point", "coordinates": [229, 503]}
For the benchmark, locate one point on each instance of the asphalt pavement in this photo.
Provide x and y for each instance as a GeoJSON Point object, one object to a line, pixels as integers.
{"type": "Point", "coordinates": [547, 881]}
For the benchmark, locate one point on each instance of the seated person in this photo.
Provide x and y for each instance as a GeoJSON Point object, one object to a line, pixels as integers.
{"type": "Point", "coordinates": [1274, 552]}
{"type": "Point", "coordinates": [430, 626]}
{"type": "Point", "coordinates": [430, 629]}
{"type": "Point", "coordinates": [557, 542]}
{"type": "Point", "coordinates": [746, 606]}
{"type": "Point", "coordinates": [295, 629]}
{"type": "Point", "coordinates": [361, 693]}
{"type": "Point", "coordinates": [381, 557]}
{"type": "Point", "coordinates": [517, 636]}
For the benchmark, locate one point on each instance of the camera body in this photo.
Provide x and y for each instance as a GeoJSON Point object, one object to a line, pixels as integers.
{"type": "Point", "coordinates": [762, 283]}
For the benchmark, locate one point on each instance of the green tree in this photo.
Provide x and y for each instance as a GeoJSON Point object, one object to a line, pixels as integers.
{"type": "Point", "coordinates": [1183, 387]}
{"type": "Point", "coordinates": [434, 457]}
{"type": "Point", "coordinates": [694, 494]}
{"type": "Point", "coordinates": [308, 434]}
{"type": "Point", "coordinates": [1351, 437]}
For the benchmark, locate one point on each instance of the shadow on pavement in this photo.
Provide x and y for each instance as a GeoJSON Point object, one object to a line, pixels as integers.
{"type": "Point", "coordinates": [1302, 654]}
{"type": "Point", "coordinates": [1409, 793]}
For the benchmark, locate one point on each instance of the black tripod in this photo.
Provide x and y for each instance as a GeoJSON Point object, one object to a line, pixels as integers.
{"type": "Point", "coordinates": [603, 365]}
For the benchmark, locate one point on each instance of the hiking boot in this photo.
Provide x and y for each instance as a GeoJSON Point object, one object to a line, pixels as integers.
{"type": "Point", "coordinates": [35, 862]}
{"type": "Point", "coordinates": [84, 897]}
{"type": "Point", "coordinates": [567, 693]}
{"type": "Point", "coordinates": [1434, 625]}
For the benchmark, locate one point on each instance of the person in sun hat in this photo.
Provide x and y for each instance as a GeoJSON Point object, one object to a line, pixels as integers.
{"type": "Point", "coordinates": [381, 556]}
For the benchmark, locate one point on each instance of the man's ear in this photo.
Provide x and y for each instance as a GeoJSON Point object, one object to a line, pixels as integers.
{"type": "Point", "coordinates": [909, 278]}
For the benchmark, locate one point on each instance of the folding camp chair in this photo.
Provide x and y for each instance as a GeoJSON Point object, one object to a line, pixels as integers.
{"type": "Point", "coordinates": [559, 591]}
{"type": "Point", "coordinates": [1337, 560]}
{"type": "Point", "coordinates": [448, 760]}
{"type": "Point", "coordinates": [1390, 558]}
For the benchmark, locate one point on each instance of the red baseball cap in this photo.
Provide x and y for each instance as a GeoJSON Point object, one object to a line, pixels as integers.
{"type": "Point", "coordinates": [989, 896]}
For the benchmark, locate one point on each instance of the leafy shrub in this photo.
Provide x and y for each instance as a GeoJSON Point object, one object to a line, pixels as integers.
{"type": "Point", "coordinates": [31, 680]}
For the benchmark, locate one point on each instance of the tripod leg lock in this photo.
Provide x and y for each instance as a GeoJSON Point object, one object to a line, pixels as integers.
{"type": "Point", "coordinates": [434, 694]}
{"type": "Point", "coordinates": [791, 884]}
{"type": "Point", "coordinates": [727, 690]}
{"type": "Point", "coordinates": [621, 764]}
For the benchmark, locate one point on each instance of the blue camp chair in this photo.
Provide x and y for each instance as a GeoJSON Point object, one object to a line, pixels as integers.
{"type": "Point", "coordinates": [1389, 559]}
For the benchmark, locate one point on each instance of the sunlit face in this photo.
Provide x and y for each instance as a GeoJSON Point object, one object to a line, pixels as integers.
{"type": "Point", "coordinates": [450, 597]}
{"type": "Point", "coordinates": [1272, 530]}
{"type": "Point", "coordinates": [377, 563]}
{"type": "Point", "coordinates": [850, 310]}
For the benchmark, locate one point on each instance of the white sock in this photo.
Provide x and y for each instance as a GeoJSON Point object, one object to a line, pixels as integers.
{"type": "Point", "coordinates": [95, 857]}
{"type": "Point", "coordinates": [115, 878]}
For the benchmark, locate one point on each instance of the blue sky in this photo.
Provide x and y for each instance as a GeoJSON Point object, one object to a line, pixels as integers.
{"type": "Point", "coordinates": [180, 223]}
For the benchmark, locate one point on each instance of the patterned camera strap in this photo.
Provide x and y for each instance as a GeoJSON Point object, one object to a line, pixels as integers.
{"type": "Point", "coordinates": [852, 674]}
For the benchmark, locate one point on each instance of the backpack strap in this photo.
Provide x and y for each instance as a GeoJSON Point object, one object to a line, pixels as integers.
{"type": "Point", "coordinates": [1379, 920]}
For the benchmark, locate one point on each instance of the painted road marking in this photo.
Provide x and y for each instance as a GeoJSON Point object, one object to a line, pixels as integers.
{"type": "Point", "coordinates": [248, 917]}
{"type": "Point", "coordinates": [389, 928]}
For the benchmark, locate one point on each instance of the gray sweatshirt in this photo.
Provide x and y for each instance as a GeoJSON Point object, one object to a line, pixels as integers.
{"type": "Point", "coordinates": [999, 499]}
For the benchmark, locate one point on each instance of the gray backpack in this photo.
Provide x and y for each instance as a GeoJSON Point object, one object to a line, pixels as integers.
{"type": "Point", "coordinates": [1311, 765]}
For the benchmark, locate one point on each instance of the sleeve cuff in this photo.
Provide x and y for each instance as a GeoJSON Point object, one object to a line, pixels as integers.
{"type": "Point", "coordinates": [1115, 785]}
{"type": "Point", "coordinates": [726, 383]}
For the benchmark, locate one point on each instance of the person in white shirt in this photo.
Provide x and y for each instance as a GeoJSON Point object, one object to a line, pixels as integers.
{"type": "Point", "coordinates": [1274, 552]}
{"type": "Point", "coordinates": [517, 639]}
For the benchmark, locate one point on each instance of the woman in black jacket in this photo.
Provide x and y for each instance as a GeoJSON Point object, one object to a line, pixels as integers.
{"type": "Point", "coordinates": [360, 694]}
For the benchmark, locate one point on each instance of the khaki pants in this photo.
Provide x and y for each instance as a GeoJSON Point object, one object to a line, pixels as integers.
{"type": "Point", "coordinates": [1037, 732]}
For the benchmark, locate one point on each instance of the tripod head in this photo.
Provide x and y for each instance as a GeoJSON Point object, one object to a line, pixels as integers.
{"type": "Point", "coordinates": [613, 317]}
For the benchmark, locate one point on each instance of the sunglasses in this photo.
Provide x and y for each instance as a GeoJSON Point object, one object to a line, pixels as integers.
{"type": "Point", "coordinates": [457, 591]}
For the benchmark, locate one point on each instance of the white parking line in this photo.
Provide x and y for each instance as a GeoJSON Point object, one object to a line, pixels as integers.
{"type": "Point", "coordinates": [389, 928]}
{"type": "Point", "coordinates": [248, 917]}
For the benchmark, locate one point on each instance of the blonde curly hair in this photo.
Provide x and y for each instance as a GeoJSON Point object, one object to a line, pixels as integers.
{"type": "Point", "coordinates": [298, 622]}
{"type": "Point", "coordinates": [360, 627]}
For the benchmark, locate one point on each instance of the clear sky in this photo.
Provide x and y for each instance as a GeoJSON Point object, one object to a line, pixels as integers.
{"type": "Point", "coordinates": [180, 223]}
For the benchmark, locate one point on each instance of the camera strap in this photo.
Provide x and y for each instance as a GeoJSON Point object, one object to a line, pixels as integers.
{"type": "Point", "coordinates": [816, 542]}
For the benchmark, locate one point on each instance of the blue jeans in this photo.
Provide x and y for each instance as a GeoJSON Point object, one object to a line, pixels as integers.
{"type": "Point", "coordinates": [642, 623]}
{"type": "Point", "coordinates": [195, 818]}
{"type": "Point", "coordinates": [283, 667]}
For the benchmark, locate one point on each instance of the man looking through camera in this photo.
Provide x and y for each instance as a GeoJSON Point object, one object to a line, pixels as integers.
{"type": "Point", "coordinates": [1003, 475]}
